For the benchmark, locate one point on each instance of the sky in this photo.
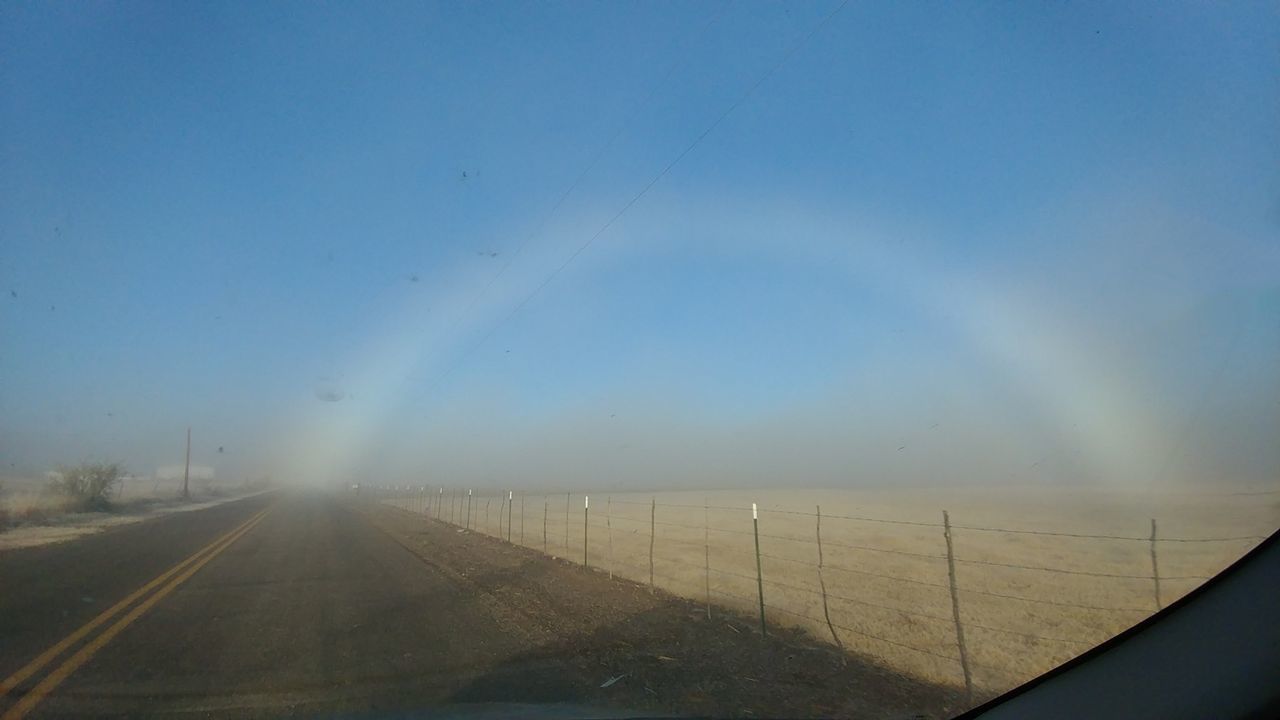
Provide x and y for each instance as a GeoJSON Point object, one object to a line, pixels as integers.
{"type": "Point", "coordinates": [643, 245]}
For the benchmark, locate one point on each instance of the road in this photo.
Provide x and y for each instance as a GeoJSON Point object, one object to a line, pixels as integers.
{"type": "Point", "coordinates": [302, 604]}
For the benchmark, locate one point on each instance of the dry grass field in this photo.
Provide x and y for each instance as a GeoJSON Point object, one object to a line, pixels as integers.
{"type": "Point", "coordinates": [1041, 574]}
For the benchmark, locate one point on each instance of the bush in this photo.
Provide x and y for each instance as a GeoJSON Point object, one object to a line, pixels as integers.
{"type": "Point", "coordinates": [88, 486]}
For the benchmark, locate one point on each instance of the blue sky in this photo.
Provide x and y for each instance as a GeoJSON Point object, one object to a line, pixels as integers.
{"type": "Point", "coordinates": [935, 244]}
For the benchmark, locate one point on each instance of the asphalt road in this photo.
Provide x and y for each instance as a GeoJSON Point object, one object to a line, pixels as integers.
{"type": "Point", "coordinates": [312, 611]}
{"type": "Point", "coordinates": [305, 604]}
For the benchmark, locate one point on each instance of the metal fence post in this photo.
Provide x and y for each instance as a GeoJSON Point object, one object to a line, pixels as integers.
{"type": "Point", "coordinates": [955, 607]}
{"type": "Point", "coordinates": [586, 508]}
{"type": "Point", "coordinates": [822, 583]}
{"type": "Point", "coordinates": [755, 531]}
{"type": "Point", "coordinates": [706, 552]}
{"type": "Point", "coordinates": [468, 525]}
{"type": "Point", "coordinates": [1155, 565]}
{"type": "Point", "coordinates": [510, 497]}
{"type": "Point", "coordinates": [608, 523]}
{"type": "Point", "coordinates": [522, 518]}
{"type": "Point", "coordinates": [653, 522]}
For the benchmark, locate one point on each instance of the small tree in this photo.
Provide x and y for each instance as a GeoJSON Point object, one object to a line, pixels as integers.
{"type": "Point", "coordinates": [89, 485]}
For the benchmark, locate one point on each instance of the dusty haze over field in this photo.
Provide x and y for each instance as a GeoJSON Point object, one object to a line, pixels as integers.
{"type": "Point", "coordinates": [775, 251]}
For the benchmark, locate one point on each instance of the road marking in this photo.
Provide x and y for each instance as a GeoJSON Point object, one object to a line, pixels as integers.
{"type": "Point", "coordinates": [190, 565]}
{"type": "Point", "coordinates": [48, 655]}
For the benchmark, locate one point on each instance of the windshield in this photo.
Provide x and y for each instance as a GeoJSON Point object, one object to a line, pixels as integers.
{"type": "Point", "coordinates": [729, 358]}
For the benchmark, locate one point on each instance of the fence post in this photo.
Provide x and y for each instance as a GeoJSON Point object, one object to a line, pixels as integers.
{"type": "Point", "coordinates": [510, 503]}
{"type": "Point", "coordinates": [955, 608]}
{"type": "Point", "coordinates": [608, 523]}
{"type": "Point", "coordinates": [567, 497]}
{"type": "Point", "coordinates": [468, 525]}
{"type": "Point", "coordinates": [486, 513]}
{"type": "Point", "coordinates": [706, 552]}
{"type": "Point", "coordinates": [1155, 565]}
{"type": "Point", "coordinates": [544, 524]}
{"type": "Point", "coordinates": [586, 508]}
{"type": "Point", "coordinates": [755, 531]}
{"type": "Point", "coordinates": [440, 504]}
{"type": "Point", "coordinates": [822, 583]}
{"type": "Point", "coordinates": [653, 517]}
{"type": "Point", "coordinates": [522, 518]}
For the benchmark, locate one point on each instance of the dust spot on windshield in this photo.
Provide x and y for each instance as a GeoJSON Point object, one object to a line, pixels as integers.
{"type": "Point", "coordinates": [328, 390]}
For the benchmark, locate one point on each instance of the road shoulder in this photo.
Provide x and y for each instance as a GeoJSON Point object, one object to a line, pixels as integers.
{"type": "Point", "coordinates": [661, 651]}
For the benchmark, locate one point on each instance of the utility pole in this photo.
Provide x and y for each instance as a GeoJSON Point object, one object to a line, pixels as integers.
{"type": "Point", "coordinates": [186, 473]}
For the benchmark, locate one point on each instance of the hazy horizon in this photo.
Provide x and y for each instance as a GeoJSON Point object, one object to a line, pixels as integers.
{"type": "Point", "coordinates": [935, 246]}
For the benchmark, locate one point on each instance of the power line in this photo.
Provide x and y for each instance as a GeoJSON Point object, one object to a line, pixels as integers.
{"type": "Point", "coordinates": [644, 191]}
{"type": "Point", "coordinates": [591, 165]}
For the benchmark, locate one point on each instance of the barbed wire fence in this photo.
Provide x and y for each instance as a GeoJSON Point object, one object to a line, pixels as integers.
{"type": "Point", "coordinates": [753, 536]}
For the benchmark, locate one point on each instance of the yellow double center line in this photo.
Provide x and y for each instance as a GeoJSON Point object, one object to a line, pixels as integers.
{"type": "Point", "coordinates": [174, 577]}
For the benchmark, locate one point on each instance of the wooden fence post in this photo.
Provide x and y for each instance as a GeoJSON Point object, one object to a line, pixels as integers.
{"type": "Point", "coordinates": [510, 497]}
{"type": "Point", "coordinates": [955, 608]}
{"type": "Point", "coordinates": [586, 508]}
{"type": "Point", "coordinates": [522, 518]}
{"type": "Point", "coordinates": [1155, 565]}
{"type": "Point", "coordinates": [755, 531]}
{"type": "Point", "coordinates": [544, 523]}
{"type": "Point", "coordinates": [822, 583]}
{"type": "Point", "coordinates": [567, 497]}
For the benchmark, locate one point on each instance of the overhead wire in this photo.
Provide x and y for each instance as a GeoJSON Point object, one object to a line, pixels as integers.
{"type": "Point", "coordinates": [790, 52]}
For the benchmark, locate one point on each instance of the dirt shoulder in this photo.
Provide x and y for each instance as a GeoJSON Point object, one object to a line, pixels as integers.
{"type": "Point", "coordinates": [666, 655]}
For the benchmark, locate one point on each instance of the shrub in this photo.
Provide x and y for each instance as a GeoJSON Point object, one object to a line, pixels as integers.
{"type": "Point", "coordinates": [88, 486]}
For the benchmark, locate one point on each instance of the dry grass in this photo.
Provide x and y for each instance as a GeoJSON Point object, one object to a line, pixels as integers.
{"type": "Point", "coordinates": [887, 582]}
{"type": "Point", "coordinates": [28, 502]}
